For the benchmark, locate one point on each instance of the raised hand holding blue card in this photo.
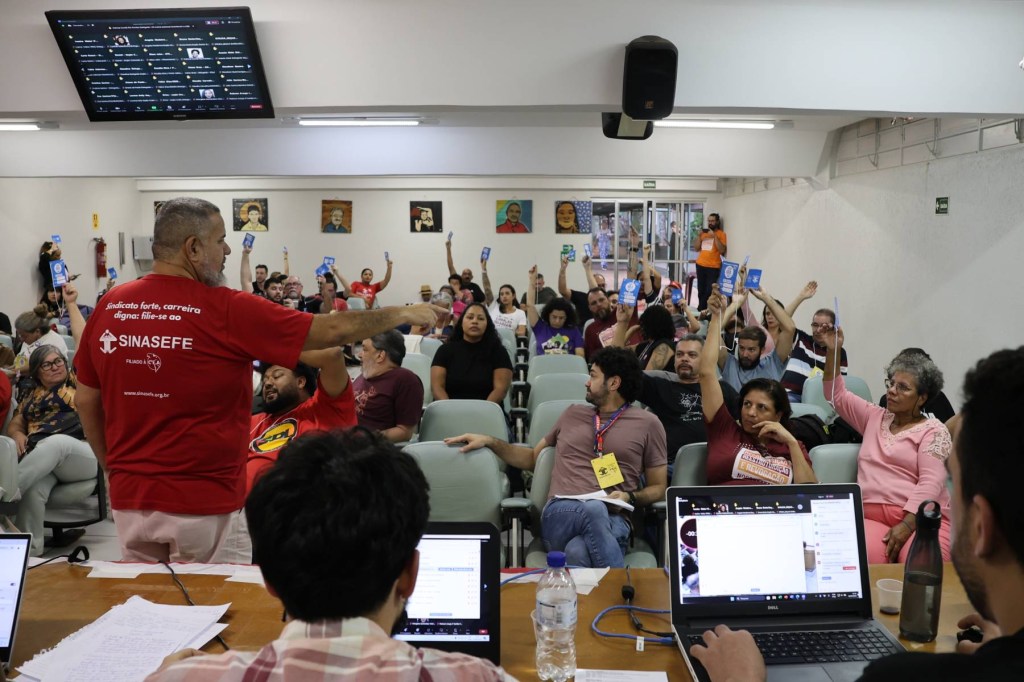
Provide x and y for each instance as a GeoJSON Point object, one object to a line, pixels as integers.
{"type": "Point", "coordinates": [485, 255]}
{"type": "Point", "coordinates": [59, 271]}
{"type": "Point", "coordinates": [249, 240]}
{"type": "Point", "coordinates": [753, 280]}
{"type": "Point", "coordinates": [727, 278]}
{"type": "Point", "coordinates": [629, 291]}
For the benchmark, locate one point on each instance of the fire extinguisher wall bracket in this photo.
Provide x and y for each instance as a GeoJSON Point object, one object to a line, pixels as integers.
{"type": "Point", "coordinates": [101, 257]}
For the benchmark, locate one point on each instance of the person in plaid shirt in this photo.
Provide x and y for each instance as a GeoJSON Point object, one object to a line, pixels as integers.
{"type": "Point", "coordinates": [335, 523]}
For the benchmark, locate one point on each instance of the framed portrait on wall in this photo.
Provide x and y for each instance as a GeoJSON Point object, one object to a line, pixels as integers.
{"type": "Point", "coordinates": [250, 215]}
{"type": "Point", "coordinates": [573, 217]}
{"type": "Point", "coordinates": [514, 216]}
{"type": "Point", "coordinates": [425, 216]}
{"type": "Point", "coordinates": [335, 216]}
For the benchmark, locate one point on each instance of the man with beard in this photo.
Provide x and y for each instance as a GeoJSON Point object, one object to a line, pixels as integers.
{"type": "Point", "coordinates": [631, 440]}
{"type": "Point", "coordinates": [296, 401]}
{"type": "Point", "coordinates": [601, 331]}
{"type": "Point", "coordinates": [988, 547]}
{"type": "Point", "coordinates": [389, 397]}
{"type": "Point", "coordinates": [165, 386]}
{"type": "Point", "coordinates": [748, 363]}
{"type": "Point", "coordinates": [807, 358]}
{"type": "Point", "coordinates": [275, 289]}
{"type": "Point", "coordinates": [675, 399]}
{"type": "Point", "coordinates": [344, 571]}
{"type": "Point", "coordinates": [579, 298]}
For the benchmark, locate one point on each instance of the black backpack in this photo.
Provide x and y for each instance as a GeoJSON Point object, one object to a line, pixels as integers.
{"type": "Point", "coordinates": [810, 430]}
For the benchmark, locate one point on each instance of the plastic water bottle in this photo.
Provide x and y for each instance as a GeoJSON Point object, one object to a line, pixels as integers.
{"type": "Point", "coordinates": [922, 577]}
{"type": "Point", "coordinates": [556, 621]}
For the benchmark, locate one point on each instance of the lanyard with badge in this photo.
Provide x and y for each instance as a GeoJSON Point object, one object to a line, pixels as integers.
{"type": "Point", "coordinates": [606, 467]}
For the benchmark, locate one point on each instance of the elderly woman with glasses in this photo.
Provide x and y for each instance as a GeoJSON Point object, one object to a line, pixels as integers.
{"type": "Point", "coordinates": [48, 434]}
{"type": "Point", "coordinates": [902, 461]}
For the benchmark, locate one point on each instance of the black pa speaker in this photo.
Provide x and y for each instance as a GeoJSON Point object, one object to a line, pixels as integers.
{"type": "Point", "coordinates": [649, 78]}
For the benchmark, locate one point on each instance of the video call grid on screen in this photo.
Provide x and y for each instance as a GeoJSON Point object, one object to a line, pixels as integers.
{"type": "Point", "coordinates": [144, 65]}
{"type": "Point", "coordinates": [448, 603]}
{"type": "Point", "coordinates": [786, 547]}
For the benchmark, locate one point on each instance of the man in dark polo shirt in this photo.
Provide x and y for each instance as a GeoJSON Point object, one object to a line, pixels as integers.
{"type": "Point", "coordinates": [389, 398]}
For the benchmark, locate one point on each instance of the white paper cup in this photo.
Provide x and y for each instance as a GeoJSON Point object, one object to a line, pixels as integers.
{"type": "Point", "coordinates": [890, 595]}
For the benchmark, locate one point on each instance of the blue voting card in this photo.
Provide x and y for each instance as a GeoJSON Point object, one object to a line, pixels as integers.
{"type": "Point", "coordinates": [571, 256]}
{"type": "Point", "coordinates": [677, 295]}
{"type": "Point", "coordinates": [387, 257]}
{"type": "Point", "coordinates": [589, 250]}
{"type": "Point", "coordinates": [629, 291]}
{"type": "Point", "coordinates": [284, 250]}
{"type": "Point", "coordinates": [753, 279]}
{"type": "Point", "coordinates": [59, 272]}
{"type": "Point", "coordinates": [450, 235]}
{"type": "Point", "coordinates": [322, 270]}
{"type": "Point", "coordinates": [111, 273]}
{"type": "Point", "coordinates": [249, 240]}
{"type": "Point", "coordinates": [328, 261]}
{"type": "Point", "coordinates": [836, 309]}
{"type": "Point", "coordinates": [485, 255]}
{"type": "Point", "coordinates": [727, 278]}
{"type": "Point", "coordinates": [55, 239]}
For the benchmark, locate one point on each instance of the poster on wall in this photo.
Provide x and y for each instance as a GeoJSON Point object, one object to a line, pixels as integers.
{"type": "Point", "coordinates": [573, 217]}
{"type": "Point", "coordinates": [514, 216]}
{"type": "Point", "coordinates": [425, 216]}
{"type": "Point", "coordinates": [336, 216]}
{"type": "Point", "coordinates": [250, 215]}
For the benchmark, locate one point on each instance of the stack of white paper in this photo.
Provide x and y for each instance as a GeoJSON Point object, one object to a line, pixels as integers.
{"type": "Point", "coordinates": [127, 643]}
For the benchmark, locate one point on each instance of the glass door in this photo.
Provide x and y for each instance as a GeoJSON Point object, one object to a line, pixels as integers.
{"type": "Point", "coordinates": [618, 225]}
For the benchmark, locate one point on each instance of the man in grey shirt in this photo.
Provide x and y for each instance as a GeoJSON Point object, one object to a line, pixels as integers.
{"type": "Point", "coordinates": [748, 364]}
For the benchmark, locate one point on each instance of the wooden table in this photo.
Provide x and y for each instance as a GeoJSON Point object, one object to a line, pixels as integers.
{"type": "Point", "coordinates": [60, 599]}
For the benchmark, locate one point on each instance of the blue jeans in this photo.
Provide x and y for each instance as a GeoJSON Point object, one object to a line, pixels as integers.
{"type": "Point", "coordinates": [586, 532]}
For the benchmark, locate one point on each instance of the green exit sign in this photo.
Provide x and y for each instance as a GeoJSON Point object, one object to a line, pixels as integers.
{"type": "Point", "coordinates": [941, 205]}
{"type": "Point", "coordinates": [650, 184]}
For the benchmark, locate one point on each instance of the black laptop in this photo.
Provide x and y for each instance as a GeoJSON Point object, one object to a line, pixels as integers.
{"type": "Point", "coordinates": [786, 562]}
{"type": "Point", "coordinates": [456, 605]}
{"type": "Point", "coordinates": [14, 550]}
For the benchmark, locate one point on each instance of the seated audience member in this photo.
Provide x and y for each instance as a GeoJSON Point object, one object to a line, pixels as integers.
{"type": "Point", "coordinates": [579, 298]}
{"type": "Point", "coordinates": [58, 310]}
{"type": "Point", "coordinates": [683, 319]}
{"type": "Point", "coordinates": [389, 398]}
{"type": "Point", "coordinates": [334, 525]}
{"type": "Point", "coordinates": [938, 405]}
{"type": "Point", "coordinates": [5, 325]}
{"type": "Point", "coordinates": [760, 449]}
{"type": "Point", "coordinates": [769, 323]}
{"type": "Point", "coordinates": [555, 329]}
{"type": "Point", "coordinates": [808, 356]}
{"type": "Point", "coordinates": [474, 364]}
{"type": "Point", "coordinates": [297, 401]}
{"type": "Point", "coordinates": [601, 331]}
{"type": "Point", "coordinates": [365, 288]}
{"type": "Point", "coordinates": [327, 299]}
{"type": "Point", "coordinates": [591, 532]}
{"type": "Point", "coordinates": [675, 398]}
{"type": "Point", "coordinates": [542, 295]}
{"type": "Point", "coordinates": [656, 349]}
{"type": "Point", "coordinates": [33, 330]}
{"type": "Point", "coordinates": [460, 297]}
{"type": "Point", "coordinates": [425, 293]}
{"type": "Point", "coordinates": [48, 433]}
{"type": "Point", "coordinates": [749, 364]}
{"type": "Point", "coordinates": [902, 459]}
{"type": "Point", "coordinates": [258, 285]}
{"type": "Point", "coordinates": [649, 278]}
{"type": "Point", "coordinates": [988, 549]}
{"type": "Point", "coordinates": [505, 311]}
{"type": "Point", "coordinates": [443, 326]}
{"type": "Point", "coordinates": [293, 294]}
{"type": "Point", "coordinates": [274, 288]}
{"type": "Point", "coordinates": [613, 297]}
{"type": "Point", "coordinates": [466, 282]}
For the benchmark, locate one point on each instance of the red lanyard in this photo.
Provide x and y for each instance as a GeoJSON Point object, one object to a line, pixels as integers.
{"type": "Point", "coordinates": [599, 431]}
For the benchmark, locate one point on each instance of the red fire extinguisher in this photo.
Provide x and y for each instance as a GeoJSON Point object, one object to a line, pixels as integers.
{"type": "Point", "coordinates": [101, 257]}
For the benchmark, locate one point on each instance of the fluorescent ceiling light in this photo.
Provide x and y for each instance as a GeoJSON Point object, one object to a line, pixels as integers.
{"type": "Point", "coordinates": [359, 122]}
{"type": "Point", "coordinates": [24, 126]}
{"type": "Point", "coordinates": [733, 125]}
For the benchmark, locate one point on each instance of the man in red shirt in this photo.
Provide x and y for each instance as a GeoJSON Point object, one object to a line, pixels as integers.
{"type": "Point", "coordinates": [297, 401]}
{"type": "Point", "coordinates": [165, 392]}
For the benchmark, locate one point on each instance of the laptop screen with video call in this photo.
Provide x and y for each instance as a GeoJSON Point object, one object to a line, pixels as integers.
{"type": "Point", "coordinates": [455, 605]}
{"type": "Point", "coordinates": [14, 549]}
{"type": "Point", "coordinates": [768, 549]}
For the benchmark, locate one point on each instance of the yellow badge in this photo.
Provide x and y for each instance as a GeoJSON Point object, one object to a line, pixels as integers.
{"type": "Point", "coordinates": [607, 470]}
{"type": "Point", "coordinates": [816, 371]}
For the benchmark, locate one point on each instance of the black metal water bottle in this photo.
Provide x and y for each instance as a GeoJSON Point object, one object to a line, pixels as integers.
{"type": "Point", "coordinates": [922, 577]}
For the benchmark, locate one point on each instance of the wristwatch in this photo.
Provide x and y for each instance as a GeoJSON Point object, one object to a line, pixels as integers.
{"type": "Point", "coordinates": [632, 498]}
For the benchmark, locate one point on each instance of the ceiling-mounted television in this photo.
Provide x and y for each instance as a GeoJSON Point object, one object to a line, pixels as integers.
{"type": "Point", "coordinates": [164, 64]}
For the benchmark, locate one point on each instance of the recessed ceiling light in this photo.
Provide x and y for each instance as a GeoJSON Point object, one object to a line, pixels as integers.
{"type": "Point", "coordinates": [358, 122]}
{"type": "Point", "coordinates": [20, 126]}
{"type": "Point", "coordinates": [732, 125]}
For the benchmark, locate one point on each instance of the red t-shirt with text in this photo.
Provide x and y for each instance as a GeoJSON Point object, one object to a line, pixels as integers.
{"type": "Point", "coordinates": [367, 291]}
{"type": "Point", "coordinates": [172, 359]}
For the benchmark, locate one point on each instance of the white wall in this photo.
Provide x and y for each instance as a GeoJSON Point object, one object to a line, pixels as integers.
{"type": "Point", "coordinates": [904, 276]}
{"type": "Point", "coordinates": [33, 209]}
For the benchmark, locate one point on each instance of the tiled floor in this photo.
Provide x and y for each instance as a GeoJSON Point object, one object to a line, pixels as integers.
{"type": "Point", "coordinates": [100, 538]}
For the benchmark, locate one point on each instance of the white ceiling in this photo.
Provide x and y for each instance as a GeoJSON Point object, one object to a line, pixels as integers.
{"type": "Point", "coordinates": [517, 88]}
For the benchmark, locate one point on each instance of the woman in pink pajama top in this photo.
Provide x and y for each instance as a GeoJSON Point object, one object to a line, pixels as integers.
{"type": "Point", "coordinates": [902, 461]}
